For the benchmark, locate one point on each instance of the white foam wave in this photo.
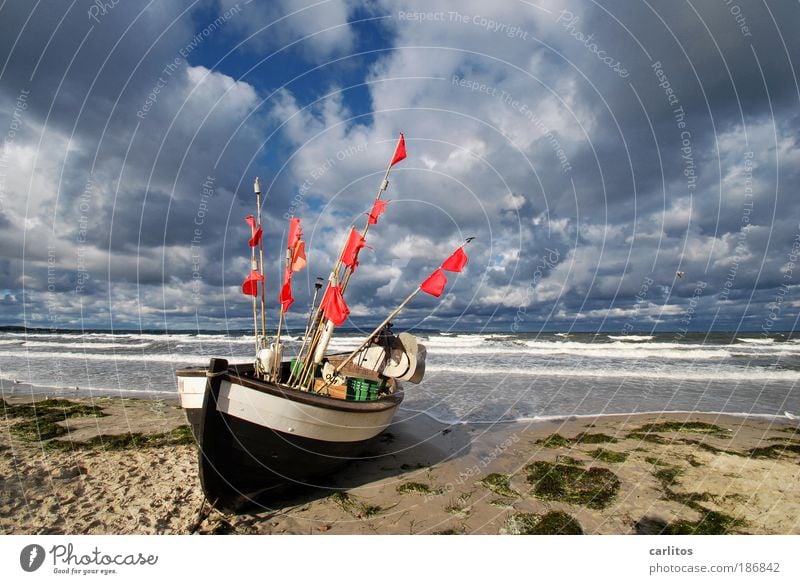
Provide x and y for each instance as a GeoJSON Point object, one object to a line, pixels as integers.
{"type": "Point", "coordinates": [84, 346]}
{"type": "Point", "coordinates": [683, 374]}
{"type": "Point", "coordinates": [631, 338]}
{"type": "Point", "coordinates": [606, 352]}
{"type": "Point", "coordinates": [159, 358]}
{"type": "Point", "coordinates": [756, 341]}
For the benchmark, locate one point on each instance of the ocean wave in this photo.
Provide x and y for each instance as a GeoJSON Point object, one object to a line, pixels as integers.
{"type": "Point", "coordinates": [84, 346]}
{"type": "Point", "coordinates": [597, 352]}
{"type": "Point", "coordinates": [631, 338]}
{"type": "Point", "coordinates": [756, 341]}
{"type": "Point", "coordinates": [754, 374]}
{"type": "Point", "coordinates": [110, 357]}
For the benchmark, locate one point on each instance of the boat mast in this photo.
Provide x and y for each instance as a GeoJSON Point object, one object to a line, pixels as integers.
{"type": "Point", "coordinates": [257, 189]}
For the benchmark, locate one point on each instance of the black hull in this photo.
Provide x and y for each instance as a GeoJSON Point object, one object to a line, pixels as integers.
{"type": "Point", "coordinates": [242, 462]}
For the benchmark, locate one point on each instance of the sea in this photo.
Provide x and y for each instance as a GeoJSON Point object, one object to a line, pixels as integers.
{"type": "Point", "coordinates": [470, 377]}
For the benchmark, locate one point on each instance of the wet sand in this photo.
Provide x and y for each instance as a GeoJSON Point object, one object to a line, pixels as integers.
{"type": "Point", "coordinates": [644, 473]}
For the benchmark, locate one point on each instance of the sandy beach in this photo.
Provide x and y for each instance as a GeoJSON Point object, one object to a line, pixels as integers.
{"type": "Point", "coordinates": [124, 466]}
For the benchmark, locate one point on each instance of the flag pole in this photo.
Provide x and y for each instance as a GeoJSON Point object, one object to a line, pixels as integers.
{"type": "Point", "coordinates": [394, 313]}
{"type": "Point", "coordinates": [317, 287]}
{"type": "Point", "coordinates": [254, 266]}
{"type": "Point", "coordinates": [276, 356]}
{"type": "Point", "coordinates": [314, 330]}
{"type": "Point", "coordinates": [384, 185]}
{"type": "Point", "coordinates": [257, 189]}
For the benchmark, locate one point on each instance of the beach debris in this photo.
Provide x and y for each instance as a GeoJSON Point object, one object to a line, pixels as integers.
{"type": "Point", "coordinates": [791, 416]}
{"type": "Point", "coordinates": [552, 523]}
{"type": "Point", "coordinates": [594, 487]}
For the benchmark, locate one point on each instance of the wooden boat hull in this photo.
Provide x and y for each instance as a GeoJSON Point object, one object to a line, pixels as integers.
{"type": "Point", "coordinates": [256, 437]}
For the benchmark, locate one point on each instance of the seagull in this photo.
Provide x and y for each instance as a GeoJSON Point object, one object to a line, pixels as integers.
{"type": "Point", "coordinates": [791, 416]}
{"type": "Point", "coordinates": [679, 274]}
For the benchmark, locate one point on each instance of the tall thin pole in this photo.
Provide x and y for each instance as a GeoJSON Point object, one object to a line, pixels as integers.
{"type": "Point", "coordinates": [369, 338]}
{"type": "Point", "coordinates": [257, 189]}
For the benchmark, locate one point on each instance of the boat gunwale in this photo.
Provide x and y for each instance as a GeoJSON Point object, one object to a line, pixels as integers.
{"type": "Point", "coordinates": [238, 374]}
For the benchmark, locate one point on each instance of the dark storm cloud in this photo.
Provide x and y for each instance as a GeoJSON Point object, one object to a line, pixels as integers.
{"type": "Point", "coordinates": [580, 182]}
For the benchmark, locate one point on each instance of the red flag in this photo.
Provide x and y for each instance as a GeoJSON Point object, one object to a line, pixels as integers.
{"type": "Point", "coordinates": [377, 210]}
{"type": "Point", "coordinates": [435, 283]}
{"type": "Point", "coordinates": [456, 262]}
{"type": "Point", "coordinates": [298, 257]}
{"type": "Point", "coordinates": [286, 298]}
{"type": "Point", "coordinates": [399, 151]}
{"type": "Point", "coordinates": [295, 232]}
{"type": "Point", "coordinates": [333, 305]}
{"type": "Point", "coordinates": [354, 244]}
{"type": "Point", "coordinates": [250, 284]}
{"type": "Point", "coordinates": [255, 231]}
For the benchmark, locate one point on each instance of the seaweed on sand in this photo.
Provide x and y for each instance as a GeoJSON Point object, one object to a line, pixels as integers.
{"type": "Point", "coordinates": [610, 456]}
{"type": "Point", "coordinates": [417, 488]}
{"type": "Point", "coordinates": [594, 487]}
{"type": "Point", "coordinates": [552, 523]}
{"type": "Point", "coordinates": [175, 437]}
{"type": "Point", "coordinates": [352, 505]}
{"type": "Point", "coordinates": [499, 483]}
{"type": "Point", "coordinates": [40, 419]}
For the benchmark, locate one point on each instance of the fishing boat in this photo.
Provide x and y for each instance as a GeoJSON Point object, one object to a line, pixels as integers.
{"type": "Point", "coordinates": [273, 423]}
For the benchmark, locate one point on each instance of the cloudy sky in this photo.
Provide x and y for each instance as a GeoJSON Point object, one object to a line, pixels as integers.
{"type": "Point", "coordinates": [595, 150]}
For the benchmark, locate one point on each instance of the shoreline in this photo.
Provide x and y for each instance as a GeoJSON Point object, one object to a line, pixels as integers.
{"type": "Point", "coordinates": [681, 472]}
{"type": "Point", "coordinates": [16, 389]}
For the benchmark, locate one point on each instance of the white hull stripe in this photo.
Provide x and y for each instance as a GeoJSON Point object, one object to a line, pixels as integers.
{"type": "Point", "coordinates": [308, 421]}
